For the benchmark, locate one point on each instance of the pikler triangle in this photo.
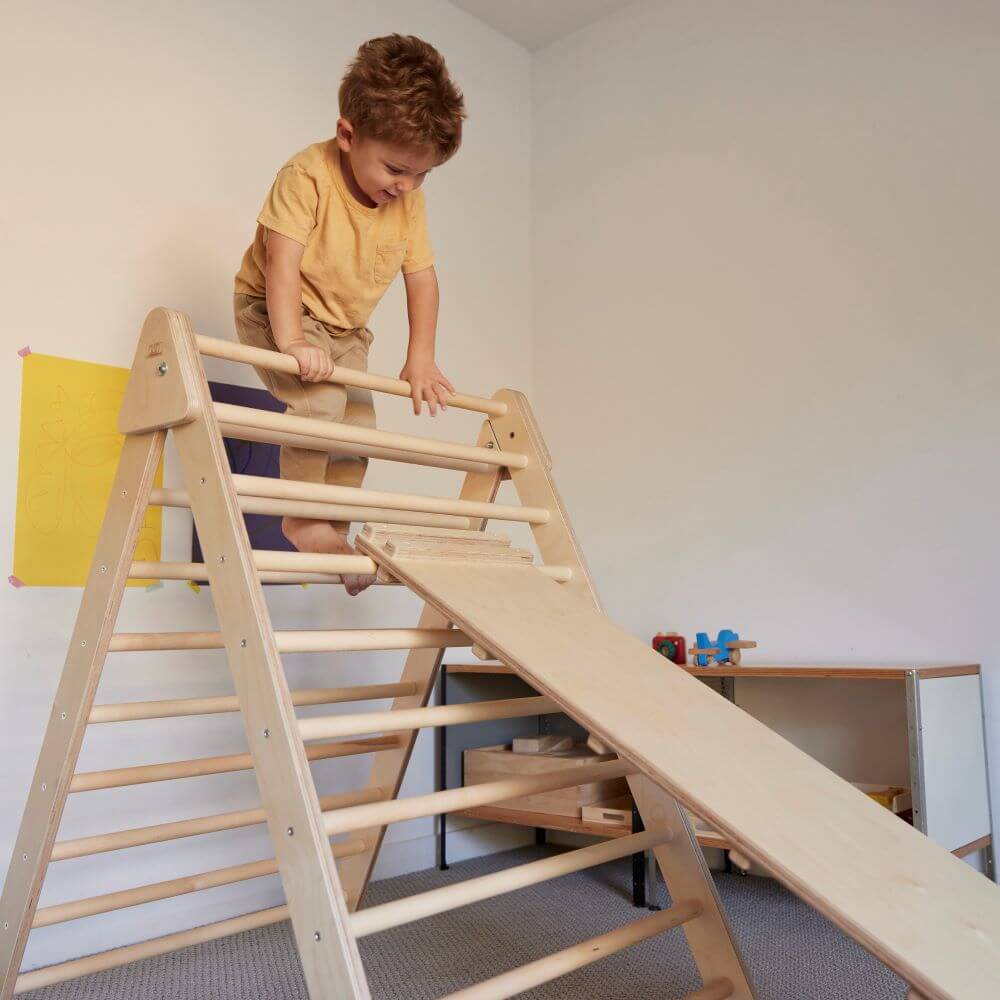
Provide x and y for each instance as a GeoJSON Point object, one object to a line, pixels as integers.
{"type": "Point", "coordinates": [924, 913]}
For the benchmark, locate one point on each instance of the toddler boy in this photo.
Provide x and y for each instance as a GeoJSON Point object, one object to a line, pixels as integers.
{"type": "Point", "coordinates": [342, 218]}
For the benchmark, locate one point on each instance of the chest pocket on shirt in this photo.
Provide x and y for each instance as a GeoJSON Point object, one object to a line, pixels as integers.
{"type": "Point", "coordinates": [388, 261]}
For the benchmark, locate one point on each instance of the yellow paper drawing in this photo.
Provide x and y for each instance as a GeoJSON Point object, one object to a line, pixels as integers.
{"type": "Point", "coordinates": [68, 458]}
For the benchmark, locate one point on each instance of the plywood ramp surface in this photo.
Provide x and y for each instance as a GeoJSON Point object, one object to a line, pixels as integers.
{"type": "Point", "coordinates": [926, 914]}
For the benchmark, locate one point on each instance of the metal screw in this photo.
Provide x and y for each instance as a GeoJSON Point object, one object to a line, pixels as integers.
{"type": "Point", "coordinates": [267, 734]}
{"type": "Point", "coordinates": [222, 559]}
{"type": "Point", "coordinates": [162, 368]}
{"type": "Point", "coordinates": [44, 786]}
{"type": "Point", "coordinates": [202, 480]}
{"type": "Point", "coordinates": [124, 493]}
{"type": "Point", "coordinates": [316, 936]}
{"type": "Point", "coordinates": [24, 857]}
{"type": "Point", "coordinates": [5, 925]}
{"type": "Point", "coordinates": [104, 569]}
{"type": "Point", "coordinates": [62, 715]}
{"type": "Point", "coordinates": [83, 642]}
{"type": "Point", "coordinates": [243, 643]}
{"type": "Point", "coordinates": [291, 831]}
{"type": "Point", "coordinates": [489, 444]}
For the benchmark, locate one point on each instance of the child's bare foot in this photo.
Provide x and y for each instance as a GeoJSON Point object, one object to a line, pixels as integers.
{"type": "Point", "coordinates": [320, 536]}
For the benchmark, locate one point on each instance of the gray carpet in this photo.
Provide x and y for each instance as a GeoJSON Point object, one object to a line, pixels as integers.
{"type": "Point", "coordinates": [793, 953]}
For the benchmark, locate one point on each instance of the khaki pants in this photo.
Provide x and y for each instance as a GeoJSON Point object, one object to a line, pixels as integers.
{"type": "Point", "coordinates": [319, 400]}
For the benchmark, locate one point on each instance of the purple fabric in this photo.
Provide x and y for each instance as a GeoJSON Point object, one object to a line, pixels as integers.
{"type": "Point", "coordinates": [250, 458]}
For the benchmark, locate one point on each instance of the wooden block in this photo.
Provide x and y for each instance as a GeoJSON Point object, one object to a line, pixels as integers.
{"type": "Point", "coordinates": [541, 744]}
{"type": "Point", "coordinates": [891, 796]}
{"type": "Point", "coordinates": [497, 763]}
{"type": "Point", "coordinates": [615, 812]}
{"type": "Point", "coordinates": [456, 545]}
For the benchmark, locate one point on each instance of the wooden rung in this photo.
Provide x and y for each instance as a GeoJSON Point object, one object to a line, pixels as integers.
{"type": "Point", "coordinates": [93, 780]}
{"type": "Point", "coordinates": [291, 568]}
{"type": "Point", "coordinates": [470, 796]}
{"type": "Point", "coordinates": [132, 711]}
{"type": "Point", "coordinates": [552, 966]}
{"type": "Point", "coordinates": [104, 960]}
{"type": "Point", "coordinates": [292, 489]}
{"type": "Point", "coordinates": [118, 840]}
{"type": "Point", "coordinates": [287, 570]}
{"type": "Point", "coordinates": [300, 640]}
{"type": "Point", "coordinates": [265, 436]}
{"type": "Point", "coordinates": [279, 425]}
{"type": "Point", "coordinates": [275, 361]}
{"type": "Point", "coordinates": [276, 507]}
{"type": "Point", "coordinates": [197, 571]}
{"type": "Point", "coordinates": [451, 897]}
{"type": "Point", "coordinates": [313, 562]}
{"type": "Point", "coordinates": [401, 720]}
{"type": "Point", "coordinates": [717, 989]}
{"type": "Point", "coordinates": [78, 908]}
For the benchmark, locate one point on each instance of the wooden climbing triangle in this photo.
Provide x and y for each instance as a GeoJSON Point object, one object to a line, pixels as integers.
{"type": "Point", "coordinates": [923, 912]}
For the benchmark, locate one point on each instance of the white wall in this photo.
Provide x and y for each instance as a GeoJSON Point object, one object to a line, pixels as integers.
{"type": "Point", "coordinates": [138, 144]}
{"type": "Point", "coordinates": [766, 304]}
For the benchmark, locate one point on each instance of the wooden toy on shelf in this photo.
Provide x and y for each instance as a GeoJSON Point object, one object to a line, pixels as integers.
{"type": "Point", "coordinates": [727, 648]}
{"type": "Point", "coordinates": [672, 645]}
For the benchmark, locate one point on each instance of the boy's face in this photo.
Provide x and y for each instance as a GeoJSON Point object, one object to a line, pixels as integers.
{"type": "Point", "coordinates": [382, 171]}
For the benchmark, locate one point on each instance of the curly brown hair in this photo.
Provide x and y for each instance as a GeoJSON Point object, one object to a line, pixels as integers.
{"type": "Point", "coordinates": [398, 90]}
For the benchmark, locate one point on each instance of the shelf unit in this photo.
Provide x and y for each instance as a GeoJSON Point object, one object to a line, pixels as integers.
{"type": "Point", "coordinates": [948, 777]}
{"type": "Point", "coordinates": [931, 718]}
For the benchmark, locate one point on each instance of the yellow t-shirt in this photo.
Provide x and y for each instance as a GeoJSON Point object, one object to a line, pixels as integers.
{"type": "Point", "coordinates": [352, 252]}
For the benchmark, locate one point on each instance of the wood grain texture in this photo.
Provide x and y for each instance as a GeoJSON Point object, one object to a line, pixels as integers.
{"type": "Point", "coordinates": [923, 912]}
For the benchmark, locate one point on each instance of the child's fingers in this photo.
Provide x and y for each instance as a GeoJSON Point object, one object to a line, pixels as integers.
{"type": "Point", "coordinates": [442, 395]}
{"type": "Point", "coordinates": [432, 403]}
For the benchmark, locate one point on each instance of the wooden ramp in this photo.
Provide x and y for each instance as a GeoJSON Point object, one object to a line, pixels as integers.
{"type": "Point", "coordinates": [923, 912]}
